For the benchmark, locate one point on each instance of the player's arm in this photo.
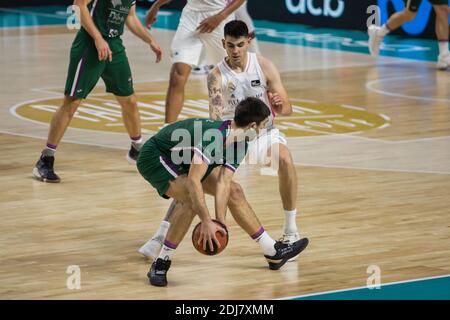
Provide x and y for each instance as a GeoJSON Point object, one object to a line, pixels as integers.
{"type": "Point", "coordinates": [208, 228]}
{"type": "Point", "coordinates": [104, 52]}
{"type": "Point", "coordinates": [277, 93]}
{"type": "Point", "coordinates": [210, 23]}
{"type": "Point", "coordinates": [223, 193]}
{"type": "Point", "coordinates": [134, 24]}
{"type": "Point", "coordinates": [215, 94]}
{"type": "Point", "coordinates": [150, 18]}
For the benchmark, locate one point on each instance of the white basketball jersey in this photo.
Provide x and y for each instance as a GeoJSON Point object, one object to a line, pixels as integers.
{"type": "Point", "coordinates": [238, 86]}
{"type": "Point", "coordinates": [207, 5]}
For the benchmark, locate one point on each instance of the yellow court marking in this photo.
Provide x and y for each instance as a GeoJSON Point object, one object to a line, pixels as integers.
{"type": "Point", "coordinates": [309, 118]}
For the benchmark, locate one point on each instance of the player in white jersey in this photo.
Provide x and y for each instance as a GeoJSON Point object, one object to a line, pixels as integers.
{"type": "Point", "coordinates": [197, 39]}
{"type": "Point", "coordinates": [240, 75]}
{"type": "Point", "coordinates": [244, 74]}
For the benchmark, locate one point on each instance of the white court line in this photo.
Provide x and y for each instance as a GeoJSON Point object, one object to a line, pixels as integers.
{"type": "Point", "coordinates": [353, 107]}
{"type": "Point", "coordinates": [351, 65]}
{"type": "Point", "coordinates": [64, 140]}
{"type": "Point", "coordinates": [370, 84]}
{"type": "Point", "coordinates": [356, 167]}
{"type": "Point", "coordinates": [364, 287]}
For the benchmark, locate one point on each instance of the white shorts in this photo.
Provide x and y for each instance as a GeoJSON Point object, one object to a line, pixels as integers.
{"type": "Point", "coordinates": [191, 47]}
{"type": "Point", "coordinates": [259, 148]}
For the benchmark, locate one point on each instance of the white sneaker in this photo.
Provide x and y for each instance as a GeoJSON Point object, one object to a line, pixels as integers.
{"type": "Point", "coordinates": [152, 248]}
{"type": "Point", "coordinates": [443, 61]}
{"type": "Point", "coordinates": [290, 238]}
{"type": "Point", "coordinates": [202, 69]}
{"type": "Point", "coordinates": [374, 40]}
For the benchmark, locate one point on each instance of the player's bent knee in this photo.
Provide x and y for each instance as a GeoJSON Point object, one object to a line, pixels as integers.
{"type": "Point", "coordinates": [71, 105]}
{"type": "Point", "coordinates": [178, 75]}
{"type": "Point", "coordinates": [236, 192]}
{"type": "Point", "coordinates": [285, 158]}
{"type": "Point", "coordinates": [129, 103]}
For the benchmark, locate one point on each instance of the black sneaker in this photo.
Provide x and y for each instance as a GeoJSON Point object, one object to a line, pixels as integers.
{"type": "Point", "coordinates": [43, 170]}
{"type": "Point", "coordinates": [158, 272]}
{"type": "Point", "coordinates": [285, 251]}
{"type": "Point", "coordinates": [132, 155]}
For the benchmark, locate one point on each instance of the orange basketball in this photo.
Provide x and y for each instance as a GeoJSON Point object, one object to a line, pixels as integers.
{"type": "Point", "coordinates": [222, 239]}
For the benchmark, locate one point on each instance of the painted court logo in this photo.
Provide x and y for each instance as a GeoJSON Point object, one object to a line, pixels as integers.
{"type": "Point", "coordinates": [103, 113]}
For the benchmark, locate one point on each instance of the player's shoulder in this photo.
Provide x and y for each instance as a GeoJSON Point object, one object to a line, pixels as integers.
{"type": "Point", "coordinates": [263, 61]}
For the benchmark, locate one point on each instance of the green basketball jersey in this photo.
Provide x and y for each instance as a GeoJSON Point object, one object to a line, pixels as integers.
{"type": "Point", "coordinates": [206, 138]}
{"type": "Point", "coordinates": [109, 16]}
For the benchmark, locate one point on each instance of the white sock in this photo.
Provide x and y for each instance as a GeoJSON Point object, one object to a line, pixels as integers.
{"type": "Point", "coordinates": [167, 250]}
{"type": "Point", "coordinates": [265, 241]}
{"type": "Point", "coordinates": [443, 47]}
{"type": "Point", "coordinates": [162, 230]}
{"type": "Point", "coordinates": [384, 30]}
{"type": "Point", "coordinates": [290, 225]}
{"type": "Point", "coordinates": [137, 143]}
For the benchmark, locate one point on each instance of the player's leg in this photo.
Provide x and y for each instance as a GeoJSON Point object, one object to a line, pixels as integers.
{"type": "Point", "coordinates": [238, 205]}
{"type": "Point", "coordinates": [442, 33]}
{"type": "Point", "coordinates": [118, 81]}
{"type": "Point", "coordinates": [132, 122]}
{"type": "Point", "coordinates": [182, 217]}
{"type": "Point", "coordinates": [153, 246]}
{"type": "Point", "coordinates": [275, 252]}
{"type": "Point", "coordinates": [44, 168]}
{"type": "Point", "coordinates": [84, 71]}
{"type": "Point", "coordinates": [287, 178]}
{"type": "Point", "coordinates": [179, 74]}
{"type": "Point", "coordinates": [186, 50]}
{"type": "Point", "coordinates": [270, 150]}
{"type": "Point", "coordinates": [376, 33]}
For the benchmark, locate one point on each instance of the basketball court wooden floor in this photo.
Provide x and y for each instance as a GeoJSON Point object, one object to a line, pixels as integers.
{"type": "Point", "coordinates": [372, 148]}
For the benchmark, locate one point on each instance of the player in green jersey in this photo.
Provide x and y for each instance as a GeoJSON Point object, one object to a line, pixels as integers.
{"type": "Point", "coordinates": [189, 158]}
{"type": "Point", "coordinates": [98, 52]}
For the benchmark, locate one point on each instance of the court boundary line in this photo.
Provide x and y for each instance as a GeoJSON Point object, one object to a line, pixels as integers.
{"type": "Point", "coordinates": [369, 86]}
{"type": "Point", "coordinates": [364, 287]}
{"type": "Point", "coordinates": [337, 166]}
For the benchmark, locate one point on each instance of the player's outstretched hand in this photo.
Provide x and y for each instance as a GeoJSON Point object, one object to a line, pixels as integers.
{"type": "Point", "coordinates": [104, 52]}
{"type": "Point", "coordinates": [157, 50]}
{"type": "Point", "coordinates": [209, 24]}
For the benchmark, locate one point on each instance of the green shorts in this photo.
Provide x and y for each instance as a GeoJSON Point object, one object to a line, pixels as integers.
{"type": "Point", "coordinates": [157, 168]}
{"type": "Point", "coordinates": [415, 4]}
{"type": "Point", "coordinates": [85, 69]}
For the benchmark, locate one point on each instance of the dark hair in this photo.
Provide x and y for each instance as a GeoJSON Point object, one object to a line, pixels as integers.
{"type": "Point", "coordinates": [250, 110]}
{"type": "Point", "coordinates": [236, 29]}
